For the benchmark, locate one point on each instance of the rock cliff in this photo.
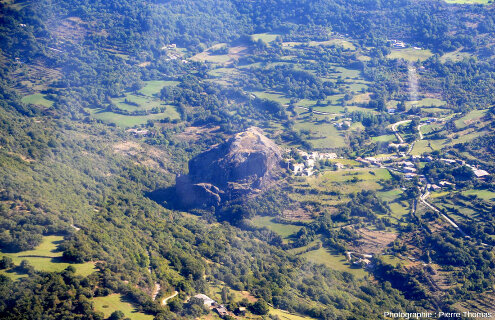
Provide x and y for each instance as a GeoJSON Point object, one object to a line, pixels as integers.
{"type": "Point", "coordinates": [245, 164]}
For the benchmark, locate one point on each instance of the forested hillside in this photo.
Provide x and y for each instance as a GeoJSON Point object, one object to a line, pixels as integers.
{"type": "Point", "coordinates": [381, 114]}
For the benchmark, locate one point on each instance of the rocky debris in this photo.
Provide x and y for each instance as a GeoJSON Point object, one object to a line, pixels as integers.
{"type": "Point", "coordinates": [245, 164]}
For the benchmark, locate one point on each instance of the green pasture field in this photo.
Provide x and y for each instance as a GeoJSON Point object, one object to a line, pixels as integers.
{"type": "Point", "coordinates": [342, 181]}
{"type": "Point", "coordinates": [307, 103]}
{"type": "Point", "coordinates": [456, 55]}
{"type": "Point", "coordinates": [356, 126]}
{"type": "Point", "coordinates": [334, 42]}
{"type": "Point", "coordinates": [272, 95]}
{"type": "Point", "coordinates": [410, 54]}
{"type": "Point", "coordinates": [426, 102]}
{"type": "Point", "coordinates": [470, 117]}
{"type": "Point", "coordinates": [46, 257]}
{"type": "Point", "coordinates": [126, 121]}
{"type": "Point", "coordinates": [348, 73]}
{"type": "Point", "coordinates": [422, 146]}
{"type": "Point", "coordinates": [224, 73]}
{"type": "Point", "coordinates": [356, 108]}
{"type": "Point", "coordinates": [356, 86]}
{"type": "Point", "coordinates": [429, 128]}
{"type": "Point", "coordinates": [398, 210]}
{"type": "Point", "coordinates": [324, 135]}
{"type": "Point", "coordinates": [465, 137]}
{"type": "Point", "coordinates": [282, 229]}
{"type": "Point", "coordinates": [438, 194]}
{"type": "Point", "coordinates": [153, 87]}
{"type": "Point", "coordinates": [144, 102]}
{"type": "Point", "coordinates": [390, 259]}
{"type": "Point", "coordinates": [435, 110]}
{"type": "Point", "coordinates": [361, 98]}
{"type": "Point", "coordinates": [482, 194]}
{"type": "Point", "coordinates": [332, 109]}
{"type": "Point", "coordinates": [362, 57]}
{"type": "Point", "coordinates": [115, 302]}
{"type": "Point", "coordinates": [385, 138]}
{"type": "Point", "coordinates": [333, 261]}
{"type": "Point", "coordinates": [266, 37]}
{"type": "Point", "coordinates": [390, 195]}
{"type": "Point", "coordinates": [37, 99]}
{"type": "Point", "coordinates": [287, 316]}
{"type": "Point", "coordinates": [469, 1]}
{"type": "Point", "coordinates": [347, 162]}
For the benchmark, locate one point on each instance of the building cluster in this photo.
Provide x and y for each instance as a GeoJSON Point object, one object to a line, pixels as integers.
{"type": "Point", "coordinates": [345, 124]}
{"type": "Point", "coordinates": [220, 309]}
{"type": "Point", "coordinates": [173, 53]}
{"type": "Point", "coordinates": [306, 168]}
{"type": "Point", "coordinates": [397, 44]}
{"type": "Point", "coordinates": [139, 132]}
{"type": "Point", "coordinates": [359, 258]}
{"type": "Point", "coordinates": [478, 173]}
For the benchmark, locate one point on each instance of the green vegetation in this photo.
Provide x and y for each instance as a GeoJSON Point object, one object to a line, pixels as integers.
{"type": "Point", "coordinates": [37, 99]}
{"type": "Point", "coordinates": [46, 257]}
{"type": "Point", "coordinates": [266, 37]}
{"type": "Point", "coordinates": [322, 135]}
{"type": "Point", "coordinates": [334, 261]}
{"type": "Point", "coordinates": [114, 302]}
{"type": "Point", "coordinates": [385, 138]}
{"type": "Point", "coordinates": [282, 229]}
{"type": "Point", "coordinates": [68, 94]}
{"type": "Point", "coordinates": [287, 316]}
{"type": "Point", "coordinates": [153, 87]}
{"type": "Point", "coordinates": [469, 1]}
{"type": "Point", "coordinates": [410, 54]}
{"type": "Point", "coordinates": [483, 194]}
{"type": "Point", "coordinates": [126, 121]}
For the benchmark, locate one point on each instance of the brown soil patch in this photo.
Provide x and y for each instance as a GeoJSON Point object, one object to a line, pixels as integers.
{"type": "Point", "coordinates": [248, 296]}
{"type": "Point", "coordinates": [128, 147]}
{"type": "Point", "coordinates": [71, 29]}
{"type": "Point", "coordinates": [195, 133]}
{"type": "Point", "coordinates": [296, 214]}
{"type": "Point", "coordinates": [373, 241]}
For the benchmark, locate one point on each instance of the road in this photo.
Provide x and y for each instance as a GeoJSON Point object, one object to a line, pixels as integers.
{"type": "Point", "coordinates": [419, 131]}
{"type": "Point", "coordinates": [394, 129]}
{"type": "Point", "coordinates": [426, 194]}
{"type": "Point", "coordinates": [164, 300]}
{"type": "Point", "coordinates": [423, 198]}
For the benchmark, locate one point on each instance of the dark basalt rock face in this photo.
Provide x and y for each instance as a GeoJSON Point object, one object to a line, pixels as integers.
{"type": "Point", "coordinates": [244, 165]}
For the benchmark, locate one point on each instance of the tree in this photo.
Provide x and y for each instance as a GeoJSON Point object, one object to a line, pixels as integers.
{"type": "Point", "coordinates": [117, 315]}
{"type": "Point", "coordinates": [6, 263]}
{"type": "Point", "coordinates": [260, 307]}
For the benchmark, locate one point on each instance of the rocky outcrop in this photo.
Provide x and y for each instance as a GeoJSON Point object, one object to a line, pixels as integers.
{"type": "Point", "coordinates": [246, 164]}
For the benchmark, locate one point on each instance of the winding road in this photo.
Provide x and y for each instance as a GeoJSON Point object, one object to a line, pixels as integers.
{"type": "Point", "coordinates": [394, 129]}
{"type": "Point", "coordinates": [164, 300]}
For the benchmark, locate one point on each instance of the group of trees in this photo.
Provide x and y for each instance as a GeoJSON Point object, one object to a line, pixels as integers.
{"type": "Point", "coordinates": [295, 83]}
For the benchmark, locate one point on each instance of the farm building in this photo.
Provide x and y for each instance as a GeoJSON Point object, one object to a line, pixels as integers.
{"type": "Point", "coordinates": [206, 300]}
{"type": "Point", "coordinates": [221, 310]}
{"type": "Point", "coordinates": [480, 173]}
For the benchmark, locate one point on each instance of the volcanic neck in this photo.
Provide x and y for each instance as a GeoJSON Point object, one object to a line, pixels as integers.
{"type": "Point", "coordinates": [246, 164]}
